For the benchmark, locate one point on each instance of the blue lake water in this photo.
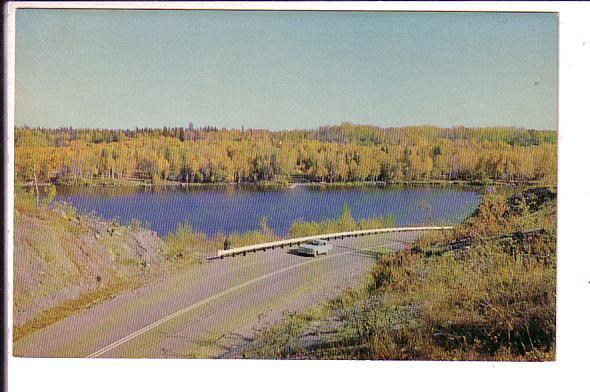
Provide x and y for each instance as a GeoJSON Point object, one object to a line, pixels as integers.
{"type": "Point", "coordinates": [230, 209]}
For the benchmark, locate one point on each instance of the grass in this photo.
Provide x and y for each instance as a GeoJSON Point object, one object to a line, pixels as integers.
{"type": "Point", "coordinates": [485, 291]}
{"type": "Point", "coordinates": [344, 223]}
{"type": "Point", "coordinates": [70, 307]}
{"type": "Point", "coordinates": [57, 229]}
{"type": "Point", "coordinates": [183, 248]}
{"type": "Point", "coordinates": [188, 246]}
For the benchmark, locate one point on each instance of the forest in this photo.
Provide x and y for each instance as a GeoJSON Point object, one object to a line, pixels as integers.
{"type": "Point", "coordinates": [342, 153]}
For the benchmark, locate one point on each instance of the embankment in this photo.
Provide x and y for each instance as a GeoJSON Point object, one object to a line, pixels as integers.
{"type": "Point", "coordinates": [485, 291]}
{"type": "Point", "coordinates": [63, 261]}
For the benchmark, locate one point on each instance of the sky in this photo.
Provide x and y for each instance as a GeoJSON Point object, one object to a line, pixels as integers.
{"type": "Point", "coordinates": [284, 70]}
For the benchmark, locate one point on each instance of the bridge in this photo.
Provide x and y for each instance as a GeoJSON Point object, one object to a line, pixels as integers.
{"type": "Point", "coordinates": [297, 241]}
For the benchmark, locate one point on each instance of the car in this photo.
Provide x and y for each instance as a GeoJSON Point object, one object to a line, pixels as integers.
{"type": "Point", "coordinates": [314, 248]}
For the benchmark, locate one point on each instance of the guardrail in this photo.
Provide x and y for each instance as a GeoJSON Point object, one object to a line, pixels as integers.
{"type": "Point", "coordinates": [297, 241]}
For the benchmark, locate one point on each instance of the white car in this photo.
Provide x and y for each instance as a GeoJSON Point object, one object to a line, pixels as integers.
{"type": "Point", "coordinates": [314, 248]}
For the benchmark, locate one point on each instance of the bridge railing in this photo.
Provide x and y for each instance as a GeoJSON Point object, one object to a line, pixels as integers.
{"type": "Point", "coordinates": [297, 241]}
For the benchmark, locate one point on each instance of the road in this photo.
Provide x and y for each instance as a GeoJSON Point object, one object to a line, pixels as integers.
{"type": "Point", "coordinates": [206, 310]}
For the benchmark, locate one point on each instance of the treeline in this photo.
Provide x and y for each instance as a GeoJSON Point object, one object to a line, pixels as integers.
{"type": "Point", "coordinates": [332, 154]}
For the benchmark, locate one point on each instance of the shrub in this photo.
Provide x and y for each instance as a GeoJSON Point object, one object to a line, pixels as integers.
{"type": "Point", "coordinates": [491, 298]}
{"type": "Point", "coordinates": [345, 222]}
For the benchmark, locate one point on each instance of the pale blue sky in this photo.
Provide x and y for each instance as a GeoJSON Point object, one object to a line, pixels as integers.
{"type": "Point", "coordinates": [284, 70]}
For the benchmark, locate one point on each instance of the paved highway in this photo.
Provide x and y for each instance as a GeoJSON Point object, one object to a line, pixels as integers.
{"type": "Point", "coordinates": [205, 310]}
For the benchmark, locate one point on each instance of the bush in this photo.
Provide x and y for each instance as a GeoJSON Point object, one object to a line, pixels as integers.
{"type": "Point", "coordinates": [344, 223]}
{"type": "Point", "coordinates": [180, 242]}
{"type": "Point", "coordinates": [135, 223]}
{"type": "Point", "coordinates": [24, 200]}
{"type": "Point", "coordinates": [492, 298]}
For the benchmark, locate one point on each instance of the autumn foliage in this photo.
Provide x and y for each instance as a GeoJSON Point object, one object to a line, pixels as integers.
{"type": "Point", "coordinates": [341, 153]}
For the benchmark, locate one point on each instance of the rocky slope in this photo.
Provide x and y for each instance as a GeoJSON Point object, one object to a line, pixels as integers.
{"type": "Point", "coordinates": [59, 256]}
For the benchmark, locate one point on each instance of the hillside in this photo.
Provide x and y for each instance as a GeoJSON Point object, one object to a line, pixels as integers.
{"type": "Point", "coordinates": [63, 261]}
{"type": "Point", "coordinates": [485, 291]}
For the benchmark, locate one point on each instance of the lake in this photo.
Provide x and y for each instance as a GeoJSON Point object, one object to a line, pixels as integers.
{"type": "Point", "coordinates": [230, 208]}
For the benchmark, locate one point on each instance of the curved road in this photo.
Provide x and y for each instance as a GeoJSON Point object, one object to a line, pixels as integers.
{"type": "Point", "coordinates": [206, 310]}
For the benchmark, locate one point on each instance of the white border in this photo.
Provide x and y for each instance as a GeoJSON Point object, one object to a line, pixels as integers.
{"type": "Point", "coordinates": [515, 6]}
{"type": "Point", "coordinates": [573, 266]}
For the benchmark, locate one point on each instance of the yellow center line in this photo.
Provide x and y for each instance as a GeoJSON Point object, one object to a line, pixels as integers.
{"type": "Point", "coordinates": [214, 297]}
